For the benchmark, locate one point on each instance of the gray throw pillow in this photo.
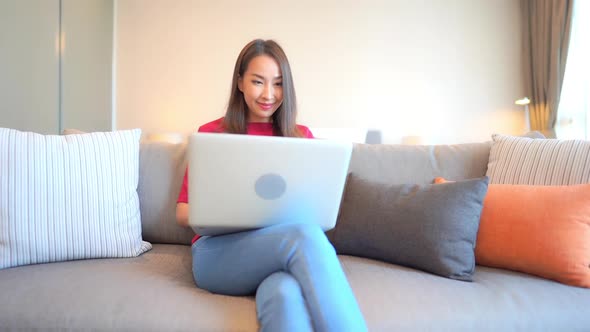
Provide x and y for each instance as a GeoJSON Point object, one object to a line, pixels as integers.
{"type": "Point", "coordinates": [428, 227]}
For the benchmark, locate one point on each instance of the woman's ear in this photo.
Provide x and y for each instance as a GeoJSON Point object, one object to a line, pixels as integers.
{"type": "Point", "coordinates": [240, 84]}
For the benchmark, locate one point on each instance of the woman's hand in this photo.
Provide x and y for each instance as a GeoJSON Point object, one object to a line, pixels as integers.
{"type": "Point", "coordinates": [182, 214]}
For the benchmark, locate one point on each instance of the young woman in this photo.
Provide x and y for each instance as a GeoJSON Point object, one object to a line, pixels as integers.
{"type": "Point", "coordinates": [292, 269]}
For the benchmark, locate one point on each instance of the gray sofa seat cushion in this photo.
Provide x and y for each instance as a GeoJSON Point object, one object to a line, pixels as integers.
{"type": "Point", "coordinates": [153, 292]}
{"type": "Point", "coordinates": [396, 298]}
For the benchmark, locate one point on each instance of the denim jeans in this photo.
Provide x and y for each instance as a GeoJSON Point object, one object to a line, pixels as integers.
{"type": "Point", "coordinates": [294, 271]}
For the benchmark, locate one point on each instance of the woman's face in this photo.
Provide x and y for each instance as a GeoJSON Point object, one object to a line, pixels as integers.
{"type": "Point", "coordinates": [262, 86]}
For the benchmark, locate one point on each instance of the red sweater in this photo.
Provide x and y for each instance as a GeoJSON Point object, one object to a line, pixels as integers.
{"type": "Point", "coordinates": [254, 128]}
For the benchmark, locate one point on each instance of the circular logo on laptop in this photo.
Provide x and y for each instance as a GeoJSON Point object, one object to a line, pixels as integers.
{"type": "Point", "coordinates": [270, 186]}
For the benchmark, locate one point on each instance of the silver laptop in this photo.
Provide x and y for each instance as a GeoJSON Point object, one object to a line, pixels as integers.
{"type": "Point", "coordinates": [241, 182]}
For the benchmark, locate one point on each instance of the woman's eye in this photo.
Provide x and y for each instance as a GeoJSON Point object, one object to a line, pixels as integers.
{"type": "Point", "coordinates": [279, 83]}
{"type": "Point", "coordinates": [257, 82]}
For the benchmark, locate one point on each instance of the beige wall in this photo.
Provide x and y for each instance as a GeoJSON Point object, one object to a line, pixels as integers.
{"type": "Point", "coordinates": [448, 71]}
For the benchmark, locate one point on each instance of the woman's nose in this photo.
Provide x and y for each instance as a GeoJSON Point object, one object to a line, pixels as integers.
{"type": "Point", "coordinates": [268, 91]}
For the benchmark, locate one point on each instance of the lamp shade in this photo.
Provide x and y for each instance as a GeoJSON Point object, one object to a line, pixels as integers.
{"type": "Point", "coordinates": [523, 101]}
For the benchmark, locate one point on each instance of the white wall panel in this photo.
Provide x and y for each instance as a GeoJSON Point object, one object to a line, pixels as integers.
{"type": "Point", "coordinates": [29, 72]}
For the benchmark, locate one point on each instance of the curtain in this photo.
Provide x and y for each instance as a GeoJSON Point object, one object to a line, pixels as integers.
{"type": "Point", "coordinates": [573, 120]}
{"type": "Point", "coordinates": [546, 32]}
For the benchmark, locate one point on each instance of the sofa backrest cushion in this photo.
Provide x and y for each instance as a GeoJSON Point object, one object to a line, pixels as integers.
{"type": "Point", "coordinates": [386, 169]}
{"type": "Point", "coordinates": [161, 169]}
{"type": "Point", "coordinates": [416, 164]}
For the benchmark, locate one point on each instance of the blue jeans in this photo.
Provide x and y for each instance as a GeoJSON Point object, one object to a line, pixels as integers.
{"type": "Point", "coordinates": [294, 271]}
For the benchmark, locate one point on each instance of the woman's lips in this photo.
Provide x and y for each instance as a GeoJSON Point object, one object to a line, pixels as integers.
{"type": "Point", "coordinates": [265, 106]}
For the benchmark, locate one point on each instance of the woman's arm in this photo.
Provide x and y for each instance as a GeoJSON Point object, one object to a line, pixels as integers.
{"type": "Point", "coordinates": [182, 214]}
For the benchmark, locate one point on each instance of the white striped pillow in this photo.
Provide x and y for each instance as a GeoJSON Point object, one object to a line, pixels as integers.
{"type": "Point", "coordinates": [68, 197]}
{"type": "Point", "coordinates": [520, 160]}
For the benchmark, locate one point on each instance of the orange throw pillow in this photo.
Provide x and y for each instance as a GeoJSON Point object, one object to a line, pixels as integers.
{"type": "Point", "coordinates": [540, 230]}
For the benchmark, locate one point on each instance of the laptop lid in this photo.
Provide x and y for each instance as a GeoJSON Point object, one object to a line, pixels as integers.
{"type": "Point", "coordinates": [240, 182]}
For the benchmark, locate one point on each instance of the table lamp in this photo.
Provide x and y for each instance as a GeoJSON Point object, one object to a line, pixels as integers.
{"type": "Point", "coordinates": [525, 102]}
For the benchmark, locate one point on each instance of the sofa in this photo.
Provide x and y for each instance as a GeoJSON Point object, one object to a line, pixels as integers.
{"type": "Point", "coordinates": [155, 291]}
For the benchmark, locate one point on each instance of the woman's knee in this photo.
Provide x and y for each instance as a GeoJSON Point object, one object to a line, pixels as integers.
{"type": "Point", "coordinates": [279, 286]}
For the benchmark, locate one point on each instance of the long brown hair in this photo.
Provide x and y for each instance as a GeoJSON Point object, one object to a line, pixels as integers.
{"type": "Point", "coordinates": [283, 119]}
